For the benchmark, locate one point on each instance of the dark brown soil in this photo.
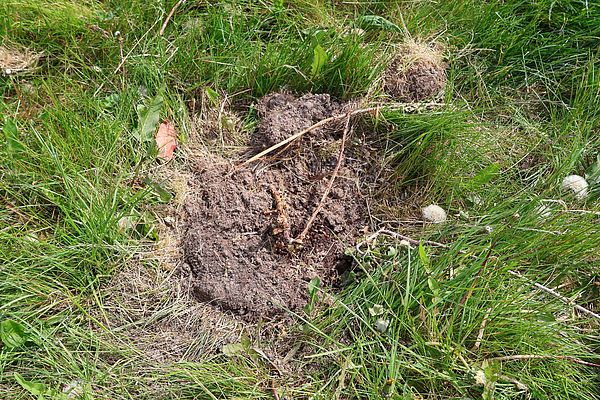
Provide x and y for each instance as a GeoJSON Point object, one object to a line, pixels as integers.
{"type": "Point", "coordinates": [236, 245]}
{"type": "Point", "coordinates": [282, 115]}
{"type": "Point", "coordinates": [412, 78]}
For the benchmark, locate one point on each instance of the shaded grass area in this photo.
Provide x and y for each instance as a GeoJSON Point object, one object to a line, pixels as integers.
{"type": "Point", "coordinates": [523, 112]}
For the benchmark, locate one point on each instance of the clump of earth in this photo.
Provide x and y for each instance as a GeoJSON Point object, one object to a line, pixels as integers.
{"type": "Point", "coordinates": [416, 74]}
{"type": "Point", "coordinates": [282, 115]}
{"type": "Point", "coordinates": [235, 244]}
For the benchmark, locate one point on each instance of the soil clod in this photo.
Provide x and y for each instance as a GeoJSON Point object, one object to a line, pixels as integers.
{"type": "Point", "coordinates": [282, 115]}
{"type": "Point", "coordinates": [417, 74]}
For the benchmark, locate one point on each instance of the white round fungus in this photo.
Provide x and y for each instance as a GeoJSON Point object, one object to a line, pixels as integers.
{"type": "Point", "coordinates": [434, 213]}
{"type": "Point", "coordinates": [577, 184]}
{"type": "Point", "coordinates": [382, 324]}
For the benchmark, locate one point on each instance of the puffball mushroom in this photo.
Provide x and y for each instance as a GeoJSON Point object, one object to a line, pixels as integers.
{"type": "Point", "coordinates": [434, 214]}
{"type": "Point", "coordinates": [382, 324]}
{"type": "Point", "coordinates": [577, 184]}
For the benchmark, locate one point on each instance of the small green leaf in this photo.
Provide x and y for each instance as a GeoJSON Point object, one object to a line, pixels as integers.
{"type": "Point", "coordinates": [12, 137]}
{"type": "Point", "coordinates": [164, 195]}
{"type": "Point", "coordinates": [9, 128]}
{"type": "Point", "coordinates": [110, 101]}
{"type": "Point", "coordinates": [485, 175]}
{"type": "Point", "coordinates": [12, 334]}
{"type": "Point", "coordinates": [314, 285]}
{"type": "Point", "coordinates": [148, 118]}
{"type": "Point", "coordinates": [377, 309]}
{"type": "Point", "coordinates": [433, 284]}
{"type": "Point", "coordinates": [233, 349]}
{"type": "Point", "coordinates": [246, 342]}
{"type": "Point", "coordinates": [319, 60]}
{"type": "Point", "coordinates": [392, 251]}
{"type": "Point", "coordinates": [213, 96]}
{"type": "Point", "coordinates": [424, 257]}
{"type": "Point", "coordinates": [377, 22]}
{"type": "Point", "coordinates": [36, 389]}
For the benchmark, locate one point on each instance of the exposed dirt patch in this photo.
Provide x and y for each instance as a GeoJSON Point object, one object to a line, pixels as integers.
{"type": "Point", "coordinates": [238, 223]}
{"type": "Point", "coordinates": [282, 115]}
{"type": "Point", "coordinates": [150, 303]}
{"type": "Point", "coordinates": [416, 74]}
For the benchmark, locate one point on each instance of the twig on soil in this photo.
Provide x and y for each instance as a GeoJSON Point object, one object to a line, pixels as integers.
{"type": "Point", "coordinates": [305, 131]}
{"type": "Point", "coordinates": [542, 357]}
{"type": "Point", "coordinates": [311, 220]}
{"type": "Point", "coordinates": [407, 107]}
{"type": "Point", "coordinates": [164, 25]}
{"type": "Point", "coordinates": [539, 286]}
{"type": "Point", "coordinates": [283, 222]}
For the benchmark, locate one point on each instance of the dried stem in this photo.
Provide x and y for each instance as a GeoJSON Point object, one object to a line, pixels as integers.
{"type": "Point", "coordinates": [387, 232]}
{"type": "Point", "coordinates": [376, 108]}
{"type": "Point", "coordinates": [541, 287]}
{"type": "Point", "coordinates": [283, 222]}
{"type": "Point", "coordinates": [520, 385]}
{"type": "Point", "coordinates": [542, 357]}
{"type": "Point", "coordinates": [311, 220]}
{"type": "Point", "coordinates": [164, 25]}
{"type": "Point", "coordinates": [122, 64]}
{"type": "Point", "coordinates": [557, 295]}
{"type": "Point", "coordinates": [481, 330]}
{"type": "Point", "coordinates": [274, 390]}
{"type": "Point", "coordinates": [305, 131]}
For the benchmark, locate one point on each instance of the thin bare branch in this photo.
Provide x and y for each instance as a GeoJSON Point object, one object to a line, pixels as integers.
{"type": "Point", "coordinates": [542, 357]}
{"type": "Point", "coordinates": [481, 330]}
{"type": "Point", "coordinates": [164, 25]}
{"type": "Point", "coordinates": [311, 220]}
{"type": "Point", "coordinates": [541, 287]}
{"type": "Point", "coordinates": [559, 296]}
{"type": "Point", "coordinates": [289, 140]}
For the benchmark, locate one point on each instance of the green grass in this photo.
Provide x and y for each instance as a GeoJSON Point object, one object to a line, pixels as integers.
{"type": "Point", "coordinates": [524, 82]}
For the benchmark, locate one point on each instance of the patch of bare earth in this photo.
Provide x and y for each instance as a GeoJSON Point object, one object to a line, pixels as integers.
{"type": "Point", "coordinates": [239, 222]}
{"type": "Point", "coordinates": [416, 74]}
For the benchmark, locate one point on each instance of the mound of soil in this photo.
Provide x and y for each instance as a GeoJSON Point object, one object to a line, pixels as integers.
{"type": "Point", "coordinates": [236, 243]}
{"type": "Point", "coordinates": [415, 77]}
{"type": "Point", "coordinates": [282, 115]}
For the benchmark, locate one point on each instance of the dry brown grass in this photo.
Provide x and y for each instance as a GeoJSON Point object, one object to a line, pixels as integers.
{"type": "Point", "coordinates": [16, 60]}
